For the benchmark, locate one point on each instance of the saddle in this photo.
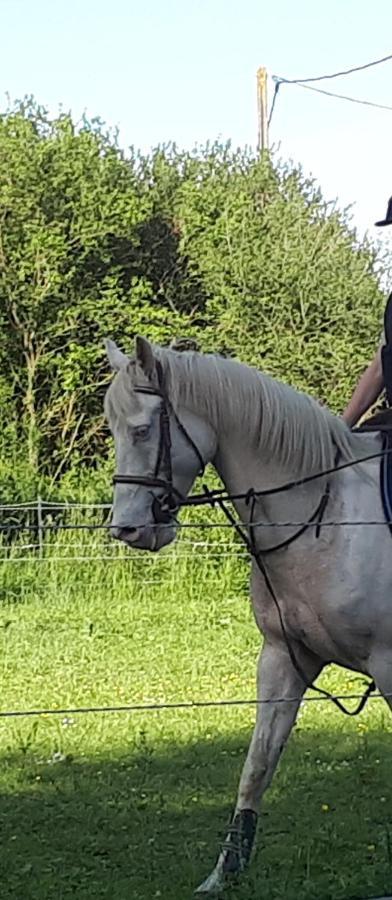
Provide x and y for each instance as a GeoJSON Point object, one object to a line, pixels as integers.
{"type": "Point", "coordinates": [381, 422]}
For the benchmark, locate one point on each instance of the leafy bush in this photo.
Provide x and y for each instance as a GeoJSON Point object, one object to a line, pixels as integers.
{"type": "Point", "coordinates": [240, 252]}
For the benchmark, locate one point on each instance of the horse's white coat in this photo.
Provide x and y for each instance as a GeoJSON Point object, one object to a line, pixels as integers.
{"type": "Point", "coordinates": [335, 591]}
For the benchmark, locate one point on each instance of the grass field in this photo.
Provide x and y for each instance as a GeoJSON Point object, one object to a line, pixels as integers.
{"type": "Point", "coordinates": [131, 807]}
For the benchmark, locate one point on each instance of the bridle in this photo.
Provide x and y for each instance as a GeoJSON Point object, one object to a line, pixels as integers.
{"type": "Point", "coordinates": [166, 506]}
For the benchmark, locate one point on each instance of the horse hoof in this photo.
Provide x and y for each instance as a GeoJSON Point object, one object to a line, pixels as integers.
{"type": "Point", "coordinates": [235, 854]}
{"type": "Point", "coordinates": [214, 884]}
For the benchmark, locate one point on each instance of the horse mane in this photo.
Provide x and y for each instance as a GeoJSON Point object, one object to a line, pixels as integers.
{"type": "Point", "coordinates": [286, 425]}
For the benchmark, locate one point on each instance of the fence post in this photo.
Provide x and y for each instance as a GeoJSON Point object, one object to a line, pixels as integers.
{"type": "Point", "coordinates": [40, 528]}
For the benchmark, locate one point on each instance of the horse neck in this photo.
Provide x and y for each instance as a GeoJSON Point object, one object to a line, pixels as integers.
{"type": "Point", "coordinates": [246, 456]}
{"type": "Point", "coordinates": [241, 468]}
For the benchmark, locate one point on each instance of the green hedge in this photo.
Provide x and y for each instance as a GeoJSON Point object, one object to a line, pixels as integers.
{"type": "Point", "coordinates": [242, 253]}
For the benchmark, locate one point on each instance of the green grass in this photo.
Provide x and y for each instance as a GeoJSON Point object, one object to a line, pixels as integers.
{"type": "Point", "coordinates": [131, 807]}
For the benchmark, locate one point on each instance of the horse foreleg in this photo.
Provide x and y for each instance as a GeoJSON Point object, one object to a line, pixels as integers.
{"type": "Point", "coordinates": [277, 678]}
{"type": "Point", "coordinates": [380, 668]}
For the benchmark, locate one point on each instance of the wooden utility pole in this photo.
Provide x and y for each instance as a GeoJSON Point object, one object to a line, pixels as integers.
{"type": "Point", "coordinates": [262, 109]}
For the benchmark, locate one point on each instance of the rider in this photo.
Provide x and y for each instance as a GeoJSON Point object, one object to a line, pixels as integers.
{"type": "Point", "coordinates": [378, 374]}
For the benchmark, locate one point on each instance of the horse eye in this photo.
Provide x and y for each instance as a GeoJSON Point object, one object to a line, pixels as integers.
{"type": "Point", "coordinates": [142, 432]}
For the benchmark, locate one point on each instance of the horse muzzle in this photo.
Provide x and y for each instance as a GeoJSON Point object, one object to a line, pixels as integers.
{"type": "Point", "coordinates": [146, 537]}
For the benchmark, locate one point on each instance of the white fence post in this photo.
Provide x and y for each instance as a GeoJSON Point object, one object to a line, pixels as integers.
{"type": "Point", "coordinates": [40, 528]}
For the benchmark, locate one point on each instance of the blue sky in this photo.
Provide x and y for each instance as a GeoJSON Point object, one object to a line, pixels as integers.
{"type": "Point", "coordinates": [186, 71]}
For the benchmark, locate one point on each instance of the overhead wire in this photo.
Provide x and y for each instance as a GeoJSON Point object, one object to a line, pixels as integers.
{"type": "Point", "coordinates": [304, 82]}
{"type": "Point", "coordinates": [308, 87]}
{"type": "Point", "coordinates": [368, 65]}
{"type": "Point", "coordinates": [274, 99]}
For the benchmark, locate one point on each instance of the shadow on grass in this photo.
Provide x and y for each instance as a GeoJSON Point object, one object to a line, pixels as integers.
{"type": "Point", "coordinates": [147, 825]}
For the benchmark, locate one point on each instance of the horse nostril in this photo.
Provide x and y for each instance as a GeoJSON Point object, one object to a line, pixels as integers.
{"type": "Point", "coordinates": [129, 535]}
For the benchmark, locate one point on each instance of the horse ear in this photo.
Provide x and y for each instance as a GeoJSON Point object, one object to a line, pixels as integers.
{"type": "Point", "coordinates": [116, 357]}
{"type": "Point", "coordinates": [145, 356]}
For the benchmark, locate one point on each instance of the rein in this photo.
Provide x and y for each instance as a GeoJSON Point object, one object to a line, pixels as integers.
{"type": "Point", "coordinates": [165, 508]}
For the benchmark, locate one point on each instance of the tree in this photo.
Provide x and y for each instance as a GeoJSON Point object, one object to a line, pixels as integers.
{"type": "Point", "coordinates": [240, 252]}
{"type": "Point", "coordinates": [75, 221]}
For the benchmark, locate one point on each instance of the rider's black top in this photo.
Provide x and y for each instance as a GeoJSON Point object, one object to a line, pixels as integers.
{"type": "Point", "coordinates": [386, 352]}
